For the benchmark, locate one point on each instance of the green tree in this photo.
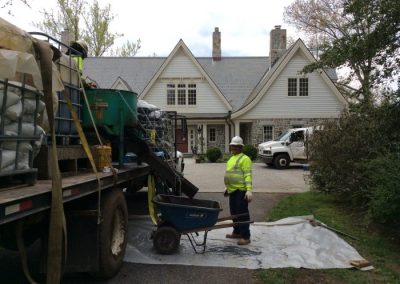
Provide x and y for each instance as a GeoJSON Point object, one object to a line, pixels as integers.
{"type": "Point", "coordinates": [97, 33]}
{"type": "Point", "coordinates": [362, 35]}
{"type": "Point", "coordinates": [128, 49]}
{"type": "Point", "coordinates": [94, 28]}
{"type": "Point", "coordinates": [65, 17]}
{"type": "Point", "coordinates": [8, 3]}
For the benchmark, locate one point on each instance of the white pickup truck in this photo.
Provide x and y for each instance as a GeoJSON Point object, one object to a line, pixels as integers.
{"type": "Point", "coordinates": [291, 146]}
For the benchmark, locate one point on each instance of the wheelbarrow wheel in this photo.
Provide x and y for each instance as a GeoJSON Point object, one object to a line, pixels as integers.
{"type": "Point", "coordinates": [166, 240]}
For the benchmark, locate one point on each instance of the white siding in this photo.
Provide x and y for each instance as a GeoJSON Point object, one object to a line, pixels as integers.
{"type": "Point", "coordinates": [182, 70]}
{"type": "Point", "coordinates": [181, 66]}
{"type": "Point", "coordinates": [321, 101]}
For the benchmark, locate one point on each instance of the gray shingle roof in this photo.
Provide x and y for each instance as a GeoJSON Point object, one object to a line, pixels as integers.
{"type": "Point", "coordinates": [136, 71]}
{"type": "Point", "coordinates": [235, 77]}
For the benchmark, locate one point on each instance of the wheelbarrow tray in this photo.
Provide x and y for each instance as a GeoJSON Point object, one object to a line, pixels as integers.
{"type": "Point", "coordinates": [187, 213]}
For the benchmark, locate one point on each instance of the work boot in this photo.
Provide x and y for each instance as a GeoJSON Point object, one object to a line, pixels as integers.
{"type": "Point", "coordinates": [233, 236]}
{"type": "Point", "coordinates": [243, 242]}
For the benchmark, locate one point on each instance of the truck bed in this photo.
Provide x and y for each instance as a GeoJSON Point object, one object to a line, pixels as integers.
{"type": "Point", "coordinates": [20, 201]}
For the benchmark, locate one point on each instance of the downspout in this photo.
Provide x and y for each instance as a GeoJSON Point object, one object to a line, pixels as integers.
{"type": "Point", "coordinates": [229, 122]}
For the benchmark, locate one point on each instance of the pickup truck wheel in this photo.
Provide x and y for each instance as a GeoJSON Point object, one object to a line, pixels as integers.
{"type": "Point", "coordinates": [113, 233]}
{"type": "Point", "coordinates": [281, 161]}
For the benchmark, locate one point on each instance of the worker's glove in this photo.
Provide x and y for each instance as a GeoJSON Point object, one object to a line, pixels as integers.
{"type": "Point", "coordinates": [226, 193]}
{"type": "Point", "coordinates": [248, 196]}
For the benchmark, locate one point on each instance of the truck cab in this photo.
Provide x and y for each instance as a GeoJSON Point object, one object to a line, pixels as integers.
{"type": "Point", "coordinates": [290, 146]}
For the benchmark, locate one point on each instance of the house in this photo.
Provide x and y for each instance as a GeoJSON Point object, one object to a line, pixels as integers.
{"type": "Point", "coordinates": [254, 97]}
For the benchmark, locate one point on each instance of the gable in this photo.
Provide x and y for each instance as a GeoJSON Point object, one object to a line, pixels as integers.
{"type": "Point", "coordinates": [121, 84]}
{"type": "Point", "coordinates": [321, 101]}
{"type": "Point", "coordinates": [182, 68]}
{"type": "Point", "coordinates": [292, 62]}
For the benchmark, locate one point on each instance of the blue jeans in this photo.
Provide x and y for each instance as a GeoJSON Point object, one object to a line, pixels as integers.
{"type": "Point", "coordinates": [238, 205]}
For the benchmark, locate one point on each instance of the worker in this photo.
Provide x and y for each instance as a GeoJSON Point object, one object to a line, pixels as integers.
{"type": "Point", "coordinates": [238, 186]}
{"type": "Point", "coordinates": [79, 51]}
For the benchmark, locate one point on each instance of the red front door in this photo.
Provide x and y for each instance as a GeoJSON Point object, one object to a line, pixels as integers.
{"type": "Point", "coordinates": [181, 141]}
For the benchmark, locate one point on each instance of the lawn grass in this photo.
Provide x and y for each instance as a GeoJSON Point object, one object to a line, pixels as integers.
{"type": "Point", "coordinates": [378, 245]}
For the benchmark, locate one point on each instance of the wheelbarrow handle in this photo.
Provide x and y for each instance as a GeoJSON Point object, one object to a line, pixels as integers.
{"type": "Point", "coordinates": [216, 226]}
{"type": "Point", "coordinates": [232, 217]}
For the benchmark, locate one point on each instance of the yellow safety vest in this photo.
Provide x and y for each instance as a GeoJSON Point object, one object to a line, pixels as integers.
{"type": "Point", "coordinates": [238, 173]}
{"type": "Point", "coordinates": [79, 62]}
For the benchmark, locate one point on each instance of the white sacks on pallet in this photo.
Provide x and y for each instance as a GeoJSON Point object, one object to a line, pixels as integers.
{"type": "Point", "coordinates": [20, 107]}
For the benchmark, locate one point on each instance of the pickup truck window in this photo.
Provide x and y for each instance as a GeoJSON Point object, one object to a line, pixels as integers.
{"type": "Point", "coordinates": [284, 136]}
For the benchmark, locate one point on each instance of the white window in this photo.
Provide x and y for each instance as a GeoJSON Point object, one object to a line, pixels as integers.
{"type": "Point", "coordinates": [303, 86]}
{"type": "Point", "coordinates": [297, 87]}
{"type": "Point", "coordinates": [181, 94]}
{"type": "Point", "coordinates": [268, 132]}
{"type": "Point", "coordinates": [170, 94]}
{"type": "Point", "coordinates": [192, 94]}
{"type": "Point", "coordinates": [292, 87]}
{"type": "Point", "coordinates": [212, 134]}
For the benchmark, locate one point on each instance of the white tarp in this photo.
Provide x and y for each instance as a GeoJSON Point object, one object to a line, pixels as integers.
{"type": "Point", "coordinates": [290, 242]}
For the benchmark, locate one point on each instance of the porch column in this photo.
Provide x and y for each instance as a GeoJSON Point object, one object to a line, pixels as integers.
{"type": "Point", "coordinates": [205, 132]}
{"type": "Point", "coordinates": [237, 128]}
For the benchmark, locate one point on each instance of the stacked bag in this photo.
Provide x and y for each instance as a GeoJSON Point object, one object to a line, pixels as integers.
{"type": "Point", "coordinates": [21, 105]}
{"type": "Point", "coordinates": [20, 109]}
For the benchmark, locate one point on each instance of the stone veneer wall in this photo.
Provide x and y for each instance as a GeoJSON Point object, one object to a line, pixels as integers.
{"type": "Point", "coordinates": [219, 137]}
{"type": "Point", "coordinates": [280, 125]}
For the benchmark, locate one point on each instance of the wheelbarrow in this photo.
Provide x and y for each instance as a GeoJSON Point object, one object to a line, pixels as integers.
{"type": "Point", "coordinates": [180, 215]}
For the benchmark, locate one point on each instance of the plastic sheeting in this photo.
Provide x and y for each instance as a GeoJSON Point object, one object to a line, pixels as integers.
{"type": "Point", "coordinates": [290, 242]}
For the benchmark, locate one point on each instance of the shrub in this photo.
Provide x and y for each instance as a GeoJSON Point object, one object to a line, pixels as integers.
{"type": "Point", "coordinates": [213, 154]}
{"type": "Point", "coordinates": [250, 151]}
{"type": "Point", "coordinates": [358, 157]}
{"type": "Point", "coordinates": [384, 190]}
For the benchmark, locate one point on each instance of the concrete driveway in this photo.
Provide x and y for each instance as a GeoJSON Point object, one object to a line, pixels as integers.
{"type": "Point", "coordinates": [209, 177]}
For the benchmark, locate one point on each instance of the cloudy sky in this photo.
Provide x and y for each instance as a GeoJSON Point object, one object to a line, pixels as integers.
{"type": "Point", "coordinates": [244, 25]}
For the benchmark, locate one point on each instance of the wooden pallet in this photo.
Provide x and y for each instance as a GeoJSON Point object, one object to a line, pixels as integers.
{"type": "Point", "coordinates": [69, 157]}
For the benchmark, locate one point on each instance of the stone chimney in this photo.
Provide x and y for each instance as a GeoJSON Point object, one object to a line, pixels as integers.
{"type": "Point", "coordinates": [277, 44]}
{"type": "Point", "coordinates": [66, 38]}
{"type": "Point", "coordinates": [216, 48]}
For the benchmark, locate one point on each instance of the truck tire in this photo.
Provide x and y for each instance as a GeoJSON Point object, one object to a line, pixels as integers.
{"type": "Point", "coordinates": [281, 161]}
{"type": "Point", "coordinates": [113, 233]}
{"type": "Point", "coordinates": [166, 240]}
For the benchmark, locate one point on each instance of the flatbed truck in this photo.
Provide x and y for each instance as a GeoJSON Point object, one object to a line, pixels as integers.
{"type": "Point", "coordinates": [93, 246]}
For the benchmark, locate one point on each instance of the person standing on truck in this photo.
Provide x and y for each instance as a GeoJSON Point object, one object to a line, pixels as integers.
{"type": "Point", "coordinates": [79, 51]}
{"type": "Point", "coordinates": [238, 186]}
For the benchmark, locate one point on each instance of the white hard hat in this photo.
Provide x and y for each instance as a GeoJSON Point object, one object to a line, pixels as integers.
{"type": "Point", "coordinates": [237, 140]}
{"type": "Point", "coordinates": [81, 46]}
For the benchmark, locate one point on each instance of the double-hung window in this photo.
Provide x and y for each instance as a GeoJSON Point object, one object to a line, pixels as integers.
{"type": "Point", "coordinates": [212, 135]}
{"type": "Point", "coordinates": [170, 94]}
{"type": "Point", "coordinates": [192, 94]}
{"type": "Point", "coordinates": [268, 132]}
{"type": "Point", "coordinates": [181, 94]}
{"type": "Point", "coordinates": [298, 87]}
